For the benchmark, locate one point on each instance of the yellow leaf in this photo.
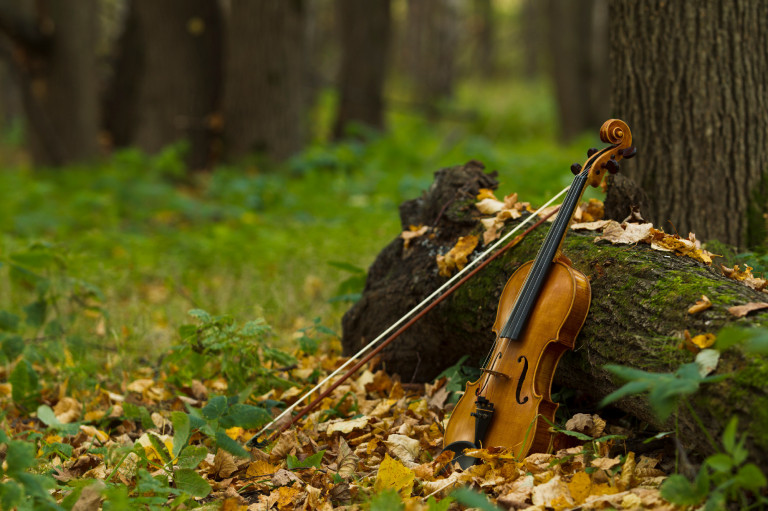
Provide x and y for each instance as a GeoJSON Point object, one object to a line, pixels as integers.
{"type": "Point", "coordinates": [395, 476]}
{"type": "Point", "coordinates": [456, 258]}
{"type": "Point", "coordinates": [234, 432]}
{"type": "Point", "coordinates": [286, 494]}
{"type": "Point", "coordinates": [579, 486]}
{"type": "Point", "coordinates": [97, 433]}
{"type": "Point", "coordinates": [485, 193]}
{"type": "Point", "coordinates": [628, 471]}
{"type": "Point", "coordinates": [603, 489]}
{"type": "Point", "coordinates": [704, 340]}
{"type": "Point", "coordinates": [260, 468]}
{"type": "Point", "coordinates": [700, 305]}
{"type": "Point", "coordinates": [94, 415]}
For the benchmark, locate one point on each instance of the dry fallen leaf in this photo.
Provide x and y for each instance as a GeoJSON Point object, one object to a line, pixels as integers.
{"type": "Point", "coordinates": [413, 232]}
{"type": "Point", "coordinates": [700, 305]}
{"type": "Point", "coordinates": [742, 310]}
{"type": "Point", "coordinates": [745, 276]}
{"type": "Point", "coordinates": [68, 410]}
{"type": "Point", "coordinates": [346, 460]}
{"type": "Point", "coordinates": [393, 475]}
{"type": "Point", "coordinates": [404, 448]}
{"type": "Point", "coordinates": [591, 226]}
{"type": "Point", "coordinates": [456, 258]}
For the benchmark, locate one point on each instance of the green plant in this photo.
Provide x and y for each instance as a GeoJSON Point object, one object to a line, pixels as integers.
{"type": "Point", "coordinates": [219, 346]}
{"type": "Point", "coordinates": [724, 476]}
{"type": "Point", "coordinates": [664, 389]}
{"type": "Point", "coordinates": [19, 488]}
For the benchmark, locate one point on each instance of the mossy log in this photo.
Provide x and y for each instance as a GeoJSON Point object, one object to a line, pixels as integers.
{"type": "Point", "coordinates": [638, 314]}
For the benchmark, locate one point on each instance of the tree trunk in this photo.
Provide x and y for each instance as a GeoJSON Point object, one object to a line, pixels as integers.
{"type": "Point", "coordinates": [579, 61]}
{"type": "Point", "coordinates": [691, 79]}
{"type": "Point", "coordinates": [639, 308]}
{"type": "Point", "coordinates": [55, 62]}
{"type": "Point", "coordinates": [532, 34]}
{"type": "Point", "coordinates": [432, 38]}
{"type": "Point", "coordinates": [365, 35]}
{"type": "Point", "coordinates": [178, 79]}
{"type": "Point", "coordinates": [484, 35]}
{"type": "Point", "coordinates": [263, 98]}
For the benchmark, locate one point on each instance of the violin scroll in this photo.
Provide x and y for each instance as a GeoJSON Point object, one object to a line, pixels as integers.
{"type": "Point", "coordinates": [614, 132]}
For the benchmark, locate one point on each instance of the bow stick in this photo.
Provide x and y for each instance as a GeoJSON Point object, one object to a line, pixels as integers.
{"type": "Point", "coordinates": [460, 277]}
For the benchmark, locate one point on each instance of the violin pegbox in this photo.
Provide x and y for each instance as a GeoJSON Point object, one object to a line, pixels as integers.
{"type": "Point", "coordinates": [614, 132]}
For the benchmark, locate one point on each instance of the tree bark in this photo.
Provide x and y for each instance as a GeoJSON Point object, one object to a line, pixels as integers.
{"type": "Point", "coordinates": [365, 34]}
{"type": "Point", "coordinates": [691, 79]}
{"type": "Point", "coordinates": [263, 97]}
{"type": "Point", "coordinates": [54, 60]}
{"type": "Point", "coordinates": [637, 317]}
{"type": "Point", "coordinates": [579, 62]}
{"type": "Point", "coordinates": [177, 79]}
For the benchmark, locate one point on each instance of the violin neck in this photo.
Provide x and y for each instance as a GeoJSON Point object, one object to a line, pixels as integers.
{"type": "Point", "coordinates": [537, 275]}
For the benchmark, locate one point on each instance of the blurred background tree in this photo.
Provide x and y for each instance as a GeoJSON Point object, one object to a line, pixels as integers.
{"type": "Point", "coordinates": [262, 80]}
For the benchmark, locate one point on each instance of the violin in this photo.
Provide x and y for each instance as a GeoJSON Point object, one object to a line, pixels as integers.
{"type": "Point", "coordinates": [541, 310]}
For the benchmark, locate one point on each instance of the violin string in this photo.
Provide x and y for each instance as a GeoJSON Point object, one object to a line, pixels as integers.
{"type": "Point", "coordinates": [413, 311]}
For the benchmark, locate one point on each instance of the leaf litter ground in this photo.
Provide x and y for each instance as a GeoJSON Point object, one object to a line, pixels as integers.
{"type": "Point", "coordinates": [373, 443]}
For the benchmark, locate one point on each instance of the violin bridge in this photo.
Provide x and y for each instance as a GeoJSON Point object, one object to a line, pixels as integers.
{"type": "Point", "coordinates": [496, 373]}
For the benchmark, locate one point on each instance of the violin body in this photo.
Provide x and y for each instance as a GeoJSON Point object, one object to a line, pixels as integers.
{"type": "Point", "coordinates": [541, 310]}
{"type": "Point", "coordinates": [523, 399]}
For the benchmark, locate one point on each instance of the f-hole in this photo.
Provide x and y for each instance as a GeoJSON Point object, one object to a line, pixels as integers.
{"type": "Point", "coordinates": [520, 381]}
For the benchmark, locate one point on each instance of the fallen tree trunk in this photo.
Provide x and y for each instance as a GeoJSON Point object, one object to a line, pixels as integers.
{"type": "Point", "coordinates": [638, 314]}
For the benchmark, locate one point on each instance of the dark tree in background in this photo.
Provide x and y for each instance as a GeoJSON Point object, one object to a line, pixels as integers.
{"type": "Point", "coordinates": [365, 35]}
{"type": "Point", "coordinates": [168, 87]}
{"type": "Point", "coordinates": [578, 44]}
{"type": "Point", "coordinates": [690, 79]}
{"type": "Point", "coordinates": [264, 73]}
{"type": "Point", "coordinates": [484, 32]}
{"type": "Point", "coordinates": [53, 60]}
{"type": "Point", "coordinates": [431, 44]}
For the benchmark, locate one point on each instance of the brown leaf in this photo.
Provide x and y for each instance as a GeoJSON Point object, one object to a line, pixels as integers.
{"type": "Point", "coordinates": [742, 310]}
{"type": "Point", "coordinates": [284, 477]}
{"type": "Point", "coordinates": [90, 498]}
{"type": "Point", "coordinates": [346, 460]}
{"type": "Point", "coordinates": [224, 464]}
{"type": "Point", "coordinates": [700, 305]}
{"type": "Point", "coordinates": [285, 445]}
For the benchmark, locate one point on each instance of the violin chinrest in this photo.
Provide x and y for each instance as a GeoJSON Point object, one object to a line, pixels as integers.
{"type": "Point", "coordinates": [459, 457]}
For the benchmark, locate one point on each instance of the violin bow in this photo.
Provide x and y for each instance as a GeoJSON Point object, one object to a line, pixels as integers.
{"type": "Point", "coordinates": [451, 285]}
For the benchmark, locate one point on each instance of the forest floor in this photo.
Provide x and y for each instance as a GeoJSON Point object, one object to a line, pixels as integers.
{"type": "Point", "coordinates": [151, 322]}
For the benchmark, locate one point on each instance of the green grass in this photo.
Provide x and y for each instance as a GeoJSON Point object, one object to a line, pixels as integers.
{"type": "Point", "coordinates": [259, 241]}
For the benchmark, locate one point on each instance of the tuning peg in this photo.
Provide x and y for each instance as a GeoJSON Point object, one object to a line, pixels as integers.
{"type": "Point", "coordinates": [629, 152]}
{"type": "Point", "coordinates": [612, 166]}
{"type": "Point", "coordinates": [576, 168]}
{"type": "Point", "coordinates": [591, 151]}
